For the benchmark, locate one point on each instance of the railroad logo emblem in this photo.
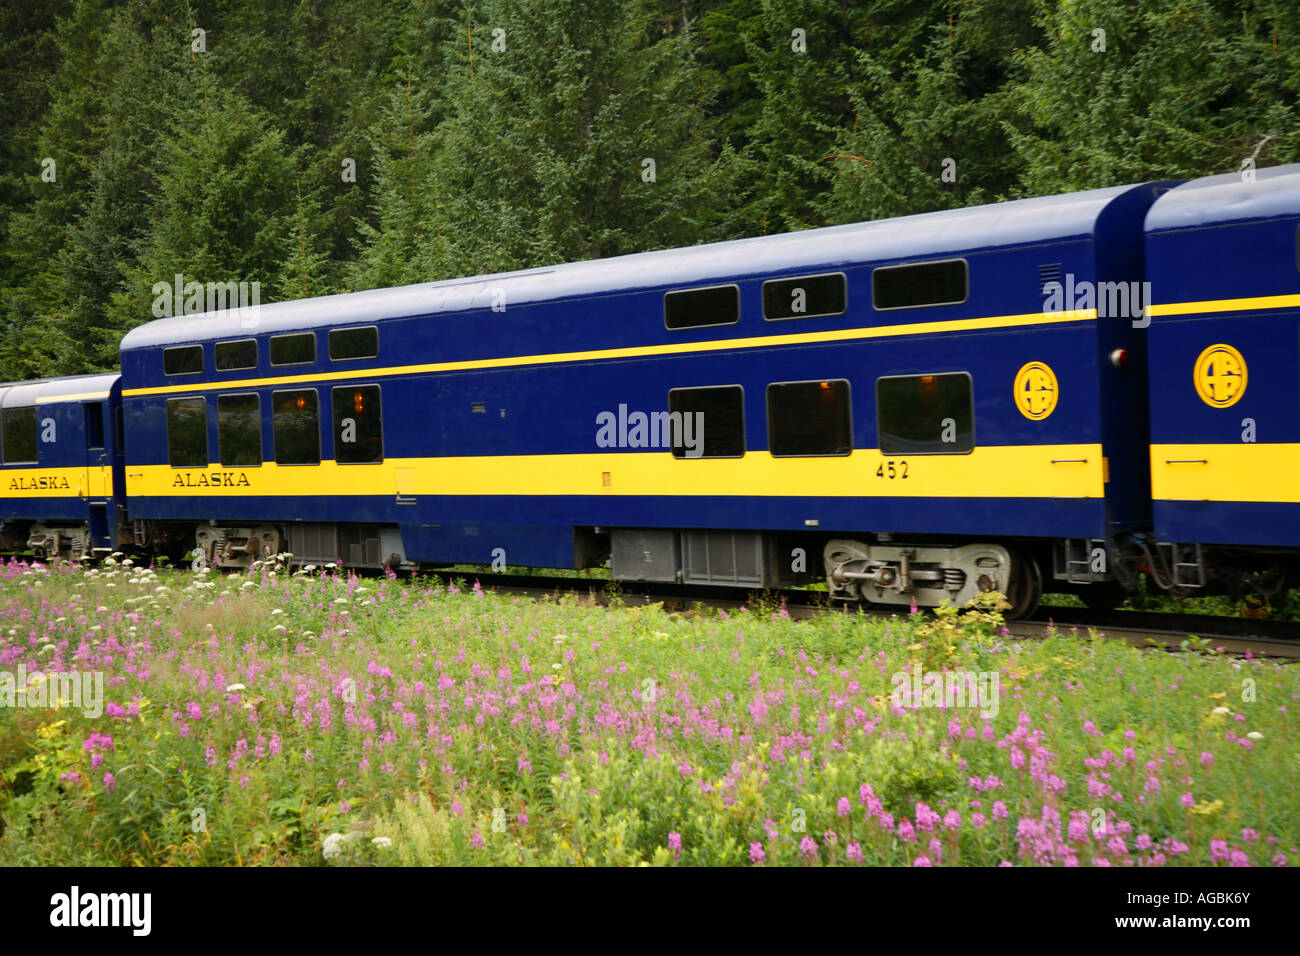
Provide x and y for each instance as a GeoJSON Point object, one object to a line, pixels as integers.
{"type": "Point", "coordinates": [1036, 390]}
{"type": "Point", "coordinates": [1220, 376]}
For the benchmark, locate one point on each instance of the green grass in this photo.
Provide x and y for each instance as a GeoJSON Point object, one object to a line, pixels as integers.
{"type": "Point", "coordinates": [382, 721]}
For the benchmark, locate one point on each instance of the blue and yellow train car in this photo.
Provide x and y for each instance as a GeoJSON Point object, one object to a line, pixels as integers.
{"type": "Point", "coordinates": [1223, 258]}
{"type": "Point", "coordinates": [931, 405]}
{"type": "Point", "coordinates": [61, 459]}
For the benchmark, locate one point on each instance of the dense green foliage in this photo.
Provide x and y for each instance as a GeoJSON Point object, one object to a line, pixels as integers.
{"type": "Point", "coordinates": [489, 135]}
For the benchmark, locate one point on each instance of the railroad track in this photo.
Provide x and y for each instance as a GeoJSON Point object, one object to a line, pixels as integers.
{"type": "Point", "coordinates": [1239, 636]}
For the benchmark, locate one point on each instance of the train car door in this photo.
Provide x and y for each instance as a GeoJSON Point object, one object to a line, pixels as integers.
{"type": "Point", "coordinates": [99, 477]}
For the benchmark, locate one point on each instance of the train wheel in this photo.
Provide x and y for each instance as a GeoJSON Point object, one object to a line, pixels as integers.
{"type": "Point", "coordinates": [1026, 588]}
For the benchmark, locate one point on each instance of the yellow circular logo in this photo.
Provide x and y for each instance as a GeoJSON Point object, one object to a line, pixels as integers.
{"type": "Point", "coordinates": [1035, 390]}
{"type": "Point", "coordinates": [1220, 376]}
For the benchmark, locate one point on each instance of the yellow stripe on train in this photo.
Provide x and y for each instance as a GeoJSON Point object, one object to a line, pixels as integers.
{"type": "Point", "coordinates": [37, 482]}
{"type": "Point", "coordinates": [1241, 471]}
{"type": "Point", "coordinates": [1007, 471]}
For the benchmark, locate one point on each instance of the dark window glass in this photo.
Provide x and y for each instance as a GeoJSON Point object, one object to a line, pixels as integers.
{"type": "Point", "coordinates": [358, 426]}
{"type": "Point", "coordinates": [239, 430]}
{"type": "Point", "coordinates": [925, 414]}
{"type": "Point", "coordinates": [927, 283]}
{"type": "Point", "coordinates": [295, 421]}
{"type": "Point", "coordinates": [694, 308]}
{"type": "Point", "coordinates": [298, 349]}
{"type": "Point", "coordinates": [187, 432]}
{"type": "Point", "coordinates": [235, 355]}
{"type": "Point", "coordinates": [94, 424]}
{"type": "Point", "coordinates": [354, 343]}
{"type": "Point", "coordinates": [19, 435]}
{"type": "Point", "coordinates": [804, 298]}
{"type": "Point", "coordinates": [183, 360]}
{"type": "Point", "coordinates": [721, 413]}
{"type": "Point", "coordinates": [809, 418]}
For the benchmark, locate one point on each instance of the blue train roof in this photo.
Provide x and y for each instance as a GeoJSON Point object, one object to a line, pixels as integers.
{"type": "Point", "coordinates": [1218, 200]}
{"type": "Point", "coordinates": [1015, 223]}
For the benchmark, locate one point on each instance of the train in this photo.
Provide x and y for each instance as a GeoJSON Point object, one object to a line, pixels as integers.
{"type": "Point", "coordinates": [1074, 393]}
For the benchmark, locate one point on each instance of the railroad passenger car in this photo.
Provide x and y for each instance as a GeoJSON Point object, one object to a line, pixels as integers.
{"type": "Point", "coordinates": [1223, 257]}
{"type": "Point", "coordinates": [60, 461]}
{"type": "Point", "coordinates": [900, 400]}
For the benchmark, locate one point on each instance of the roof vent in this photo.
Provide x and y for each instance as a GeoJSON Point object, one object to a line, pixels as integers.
{"type": "Point", "coordinates": [1048, 272]}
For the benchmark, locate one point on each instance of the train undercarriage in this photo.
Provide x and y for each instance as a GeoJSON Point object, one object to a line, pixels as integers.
{"type": "Point", "coordinates": [866, 569]}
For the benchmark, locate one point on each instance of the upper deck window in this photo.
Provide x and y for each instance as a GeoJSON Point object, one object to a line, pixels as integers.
{"type": "Point", "coordinates": [296, 349]}
{"type": "Point", "coordinates": [241, 353]}
{"type": "Point", "coordinates": [697, 308]}
{"type": "Point", "coordinates": [359, 343]}
{"type": "Point", "coordinates": [805, 298]}
{"type": "Point", "coordinates": [922, 284]}
{"type": "Point", "coordinates": [183, 360]}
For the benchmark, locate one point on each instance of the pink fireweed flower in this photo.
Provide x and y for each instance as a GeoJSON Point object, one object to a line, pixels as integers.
{"type": "Point", "coordinates": [854, 852]}
{"type": "Point", "coordinates": [110, 782]}
{"type": "Point", "coordinates": [675, 842]}
{"type": "Point", "coordinates": [1187, 800]}
{"type": "Point", "coordinates": [925, 817]}
{"type": "Point", "coordinates": [808, 847]}
{"type": "Point", "coordinates": [476, 840]}
{"type": "Point", "coordinates": [843, 807]}
{"type": "Point", "coordinates": [756, 854]}
{"type": "Point", "coordinates": [999, 810]}
{"type": "Point", "coordinates": [906, 832]}
{"type": "Point", "coordinates": [1207, 758]}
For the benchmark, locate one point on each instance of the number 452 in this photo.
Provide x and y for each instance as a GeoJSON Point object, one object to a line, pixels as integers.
{"type": "Point", "coordinates": [892, 469]}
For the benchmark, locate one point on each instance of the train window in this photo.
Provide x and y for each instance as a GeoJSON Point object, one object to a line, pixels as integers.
{"type": "Point", "coordinates": [239, 430]}
{"type": "Point", "coordinates": [804, 298]}
{"type": "Point", "coordinates": [925, 414]}
{"type": "Point", "coordinates": [241, 353]}
{"type": "Point", "coordinates": [807, 419]}
{"type": "Point", "coordinates": [707, 422]}
{"type": "Point", "coordinates": [187, 432]}
{"type": "Point", "coordinates": [94, 424]}
{"type": "Point", "coordinates": [296, 349]}
{"type": "Point", "coordinates": [183, 360]}
{"type": "Point", "coordinates": [295, 423]}
{"type": "Point", "coordinates": [19, 435]}
{"type": "Point", "coordinates": [358, 425]}
{"type": "Point", "coordinates": [922, 284]}
{"type": "Point", "coordinates": [696, 308]}
{"type": "Point", "coordinates": [358, 343]}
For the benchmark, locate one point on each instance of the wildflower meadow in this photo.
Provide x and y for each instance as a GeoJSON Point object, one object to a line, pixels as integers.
{"type": "Point", "coordinates": [282, 717]}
